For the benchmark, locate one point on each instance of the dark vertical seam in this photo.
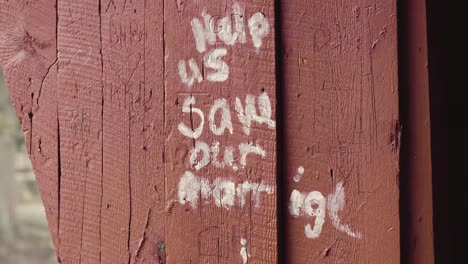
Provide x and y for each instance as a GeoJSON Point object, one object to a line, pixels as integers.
{"type": "Point", "coordinates": [102, 131]}
{"type": "Point", "coordinates": [164, 112]}
{"type": "Point", "coordinates": [164, 65]}
{"type": "Point", "coordinates": [59, 160]}
{"type": "Point", "coordinates": [129, 188]}
{"type": "Point", "coordinates": [83, 210]}
{"type": "Point", "coordinates": [403, 112]}
{"type": "Point", "coordinates": [59, 183]}
{"type": "Point", "coordinates": [31, 116]}
{"type": "Point", "coordinates": [281, 182]}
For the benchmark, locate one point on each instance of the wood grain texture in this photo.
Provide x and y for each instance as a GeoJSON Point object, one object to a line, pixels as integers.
{"type": "Point", "coordinates": [88, 100]}
{"type": "Point", "coordinates": [79, 131]}
{"type": "Point", "coordinates": [133, 178]}
{"type": "Point", "coordinates": [208, 233]}
{"type": "Point", "coordinates": [341, 125]}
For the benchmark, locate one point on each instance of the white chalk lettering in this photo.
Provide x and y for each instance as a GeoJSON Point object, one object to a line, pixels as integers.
{"type": "Point", "coordinates": [188, 108]}
{"type": "Point", "coordinates": [189, 189]}
{"type": "Point", "coordinates": [238, 13]}
{"type": "Point", "coordinates": [220, 104]}
{"type": "Point", "coordinates": [247, 148]}
{"type": "Point", "coordinates": [249, 113]}
{"type": "Point", "coordinates": [212, 61]}
{"type": "Point", "coordinates": [225, 31]}
{"type": "Point", "coordinates": [259, 27]}
{"type": "Point", "coordinates": [222, 190]}
{"type": "Point", "coordinates": [300, 172]}
{"type": "Point", "coordinates": [202, 155]}
{"type": "Point", "coordinates": [314, 204]}
{"type": "Point", "coordinates": [229, 158]}
{"type": "Point", "coordinates": [243, 251]}
{"type": "Point", "coordinates": [245, 115]}
{"type": "Point", "coordinates": [255, 188]}
{"type": "Point", "coordinates": [203, 149]}
{"type": "Point", "coordinates": [195, 72]}
{"type": "Point", "coordinates": [215, 153]}
{"type": "Point", "coordinates": [336, 203]}
{"type": "Point", "coordinates": [203, 34]}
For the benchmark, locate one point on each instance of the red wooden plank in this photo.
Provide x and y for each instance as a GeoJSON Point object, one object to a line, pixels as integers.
{"type": "Point", "coordinates": [123, 70]}
{"type": "Point", "coordinates": [220, 209]}
{"type": "Point", "coordinates": [342, 131]}
{"type": "Point", "coordinates": [133, 179]}
{"type": "Point", "coordinates": [79, 132]}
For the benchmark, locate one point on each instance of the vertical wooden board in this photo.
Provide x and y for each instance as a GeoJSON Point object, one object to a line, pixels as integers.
{"type": "Point", "coordinates": [220, 209]}
{"type": "Point", "coordinates": [418, 230]}
{"type": "Point", "coordinates": [133, 176]}
{"type": "Point", "coordinates": [79, 131]}
{"type": "Point", "coordinates": [341, 130]}
{"type": "Point", "coordinates": [150, 247]}
{"type": "Point", "coordinates": [28, 56]}
{"type": "Point", "coordinates": [122, 74]}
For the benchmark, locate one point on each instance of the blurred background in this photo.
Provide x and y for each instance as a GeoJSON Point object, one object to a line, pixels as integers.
{"type": "Point", "coordinates": [24, 234]}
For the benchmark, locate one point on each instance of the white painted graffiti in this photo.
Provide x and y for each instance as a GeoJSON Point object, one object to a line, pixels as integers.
{"type": "Point", "coordinates": [210, 33]}
{"type": "Point", "coordinates": [202, 154]}
{"type": "Point", "coordinates": [246, 115]}
{"type": "Point", "coordinates": [205, 33]}
{"type": "Point", "coordinates": [243, 252]}
{"type": "Point", "coordinates": [314, 204]}
{"type": "Point", "coordinates": [226, 193]}
{"type": "Point", "coordinates": [194, 189]}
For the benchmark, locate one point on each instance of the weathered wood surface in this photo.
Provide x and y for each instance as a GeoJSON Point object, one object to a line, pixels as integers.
{"type": "Point", "coordinates": [212, 230]}
{"type": "Point", "coordinates": [153, 136]}
{"type": "Point", "coordinates": [342, 134]}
